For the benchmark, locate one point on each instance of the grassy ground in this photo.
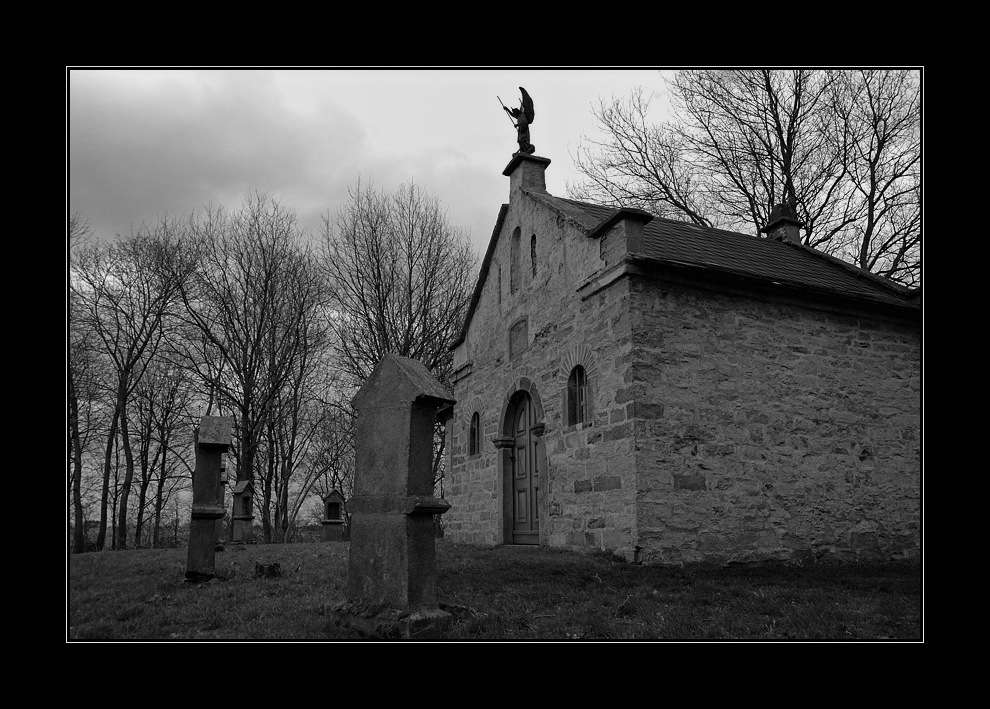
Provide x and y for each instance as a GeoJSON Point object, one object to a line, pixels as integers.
{"type": "Point", "coordinates": [500, 593]}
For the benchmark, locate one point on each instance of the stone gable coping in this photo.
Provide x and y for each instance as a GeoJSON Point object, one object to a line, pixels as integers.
{"type": "Point", "coordinates": [577, 219]}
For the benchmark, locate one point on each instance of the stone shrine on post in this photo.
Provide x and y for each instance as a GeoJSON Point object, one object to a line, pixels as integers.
{"type": "Point", "coordinates": [212, 442]}
{"type": "Point", "coordinates": [392, 554]}
{"type": "Point", "coordinates": [333, 517]}
{"type": "Point", "coordinates": [242, 513]}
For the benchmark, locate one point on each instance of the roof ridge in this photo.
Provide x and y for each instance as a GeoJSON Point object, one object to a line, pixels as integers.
{"type": "Point", "coordinates": [851, 268]}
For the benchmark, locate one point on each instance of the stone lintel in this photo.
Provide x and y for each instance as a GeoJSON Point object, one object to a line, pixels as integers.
{"type": "Point", "coordinates": [398, 504]}
{"type": "Point", "coordinates": [207, 511]}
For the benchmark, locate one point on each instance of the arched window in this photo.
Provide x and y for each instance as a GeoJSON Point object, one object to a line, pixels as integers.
{"type": "Point", "coordinates": [514, 275]}
{"type": "Point", "coordinates": [518, 338]}
{"type": "Point", "coordinates": [532, 253]}
{"type": "Point", "coordinates": [474, 441]}
{"type": "Point", "coordinates": [577, 396]}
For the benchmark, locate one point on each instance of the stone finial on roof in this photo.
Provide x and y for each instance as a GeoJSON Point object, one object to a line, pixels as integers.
{"type": "Point", "coordinates": [783, 224]}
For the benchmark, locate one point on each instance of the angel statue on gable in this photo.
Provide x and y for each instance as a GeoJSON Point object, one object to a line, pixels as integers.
{"type": "Point", "coordinates": [523, 117]}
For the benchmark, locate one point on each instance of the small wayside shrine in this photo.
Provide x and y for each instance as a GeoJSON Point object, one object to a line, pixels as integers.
{"type": "Point", "coordinates": [333, 517]}
{"type": "Point", "coordinates": [242, 517]}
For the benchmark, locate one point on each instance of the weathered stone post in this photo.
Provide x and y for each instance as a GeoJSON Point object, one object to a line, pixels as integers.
{"type": "Point", "coordinates": [212, 441]}
{"type": "Point", "coordinates": [221, 499]}
{"type": "Point", "coordinates": [392, 579]}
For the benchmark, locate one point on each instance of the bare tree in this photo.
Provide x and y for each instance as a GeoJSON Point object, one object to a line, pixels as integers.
{"type": "Point", "coordinates": [80, 231]}
{"type": "Point", "coordinates": [879, 113]}
{"type": "Point", "coordinates": [835, 145]}
{"type": "Point", "coordinates": [82, 385]}
{"type": "Point", "coordinates": [125, 291]}
{"type": "Point", "coordinates": [639, 164]}
{"type": "Point", "coordinates": [252, 308]}
{"type": "Point", "coordinates": [160, 410]}
{"type": "Point", "coordinates": [85, 384]}
{"type": "Point", "coordinates": [312, 446]}
{"type": "Point", "coordinates": [401, 277]}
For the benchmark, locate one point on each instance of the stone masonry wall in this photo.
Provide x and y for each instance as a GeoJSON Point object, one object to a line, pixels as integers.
{"type": "Point", "coordinates": [771, 431]}
{"type": "Point", "coordinates": [589, 493]}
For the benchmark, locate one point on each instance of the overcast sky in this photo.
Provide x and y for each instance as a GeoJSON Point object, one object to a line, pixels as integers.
{"type": "Point", "coordinates": [145, 142]}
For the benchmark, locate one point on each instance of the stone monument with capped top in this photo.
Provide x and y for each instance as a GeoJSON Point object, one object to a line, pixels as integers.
{"type": "Point", "coordinates": [392, 579]}
{"type": "Point", "coordinates": [212, 441]}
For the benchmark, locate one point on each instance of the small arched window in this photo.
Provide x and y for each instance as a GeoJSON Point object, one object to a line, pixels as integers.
{"type": "Point", "coordinates": [474, 440]}
{"type": "Point", "coordinates": [532, 252]}
{"type": "Point", "coordinates": [577, 396]}
{"type": "Point", "coordinates": [514, 275]}
{"type": "Point", "coordinates": [518, 337]}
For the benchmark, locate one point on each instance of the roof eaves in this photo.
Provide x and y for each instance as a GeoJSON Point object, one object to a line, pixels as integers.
{"type": "Point", "coordinates": [782, 282]}
{"type": "Point", "coordinates": [897, 288]}
{"type": "Point", "coordinates": [482, 275]}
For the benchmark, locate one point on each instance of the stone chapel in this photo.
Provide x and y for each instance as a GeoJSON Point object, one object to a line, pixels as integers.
{"type": "Point", "coordinates": [675, 394]}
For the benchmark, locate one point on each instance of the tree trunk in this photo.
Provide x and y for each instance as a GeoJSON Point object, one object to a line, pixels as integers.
{"type": "Point", "coordinates": [101, 536]}
{"type": "Point", "coordinates": [160, 489]}
{"type": "Point", "coordinates": [142, 501]}
{"type": "Point", "coordinates": [79, 531]}
{"type": "Point", "coordinates": [125, 488]}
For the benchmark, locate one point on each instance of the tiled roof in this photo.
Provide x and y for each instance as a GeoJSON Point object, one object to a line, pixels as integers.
{"type": "Point", "coordinates": [777, 262]}
{"type": "Point", "coordinates": [719, 251]}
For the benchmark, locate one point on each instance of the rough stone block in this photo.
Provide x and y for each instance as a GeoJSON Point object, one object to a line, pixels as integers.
{"type": "Point", "coordinates": [215, 430]}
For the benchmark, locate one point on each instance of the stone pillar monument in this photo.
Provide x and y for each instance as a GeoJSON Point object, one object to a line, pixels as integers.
{"type": "Point", "coordinates": [392, 579]}
{"type": "Point", "coordinates": [212, 441]}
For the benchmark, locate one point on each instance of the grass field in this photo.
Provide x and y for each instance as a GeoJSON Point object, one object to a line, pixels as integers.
{"type": "Point", "coordinates": [498, 593]}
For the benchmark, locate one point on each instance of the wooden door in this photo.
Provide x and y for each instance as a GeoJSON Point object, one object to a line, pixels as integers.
{"type": "Point", "coordinates": [525, 476]}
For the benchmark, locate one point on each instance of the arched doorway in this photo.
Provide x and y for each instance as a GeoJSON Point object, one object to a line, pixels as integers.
{"type": "Point", "coordinates": [524, 472]}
